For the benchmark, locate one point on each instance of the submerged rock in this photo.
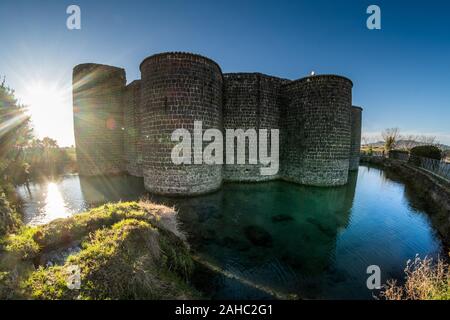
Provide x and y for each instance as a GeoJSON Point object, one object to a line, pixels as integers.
{"type": "Point", "coordinates": [282, 218]}
{"type": "Point", "coordinates": [294, 262]}
{"type": "Point", "coordinates": [235, 244]}
{"type": "Point", "coordinates": [206, 236]}
{"type": "Point", "coordinates": [258, 236]}
{"type": "Point", "coordinates": [326, 230]}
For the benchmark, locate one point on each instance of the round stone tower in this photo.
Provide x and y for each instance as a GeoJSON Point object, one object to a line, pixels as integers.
{"type": "Point", "coordinates": [176, 90]}
{"type": "Point", "coordinates": [317, 126]}
{"type": "Point", "coordinates": [251, 101]}
{"type": "Point", "coordinates": [355, 144]}
{"type": "Point", "coordinates": [132, 126]}
{"type": "Point", "coordinates": [98, 118]}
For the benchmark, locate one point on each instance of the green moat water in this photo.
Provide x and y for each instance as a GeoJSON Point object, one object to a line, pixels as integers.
{"type": "Point", "coordinates": [311, 242]}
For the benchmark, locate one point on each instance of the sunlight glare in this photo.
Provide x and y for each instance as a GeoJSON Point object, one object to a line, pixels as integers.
{"type": "Point", "coordinates": [48, 106]}
{"type": "Point", "coordinates": [43, 97]}
{"type": "Point", "coordinates": [55, 206]}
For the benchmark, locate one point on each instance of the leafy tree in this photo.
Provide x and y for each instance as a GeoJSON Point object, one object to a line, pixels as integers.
{"type": "Point", "coordinates": [46, 158]}
{"type": "Point", "coordinates": [49, 143]}
{"type": "Point", "coordinates": [21, 155]}
{"type": "Point", "coordinates": [15, 134]}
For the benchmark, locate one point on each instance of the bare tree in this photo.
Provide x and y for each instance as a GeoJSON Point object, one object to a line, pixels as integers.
{"type": "Point", "coordinates": [427, 140]}
{"type": "Point", "coordinates": [409, 141]}
{"type": "Point", "coordinates": [390, 137]}
{"type": "Point", "coordinates": [365, 140]}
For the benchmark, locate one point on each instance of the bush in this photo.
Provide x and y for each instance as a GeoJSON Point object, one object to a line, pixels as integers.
{"type": "Point", "coordinates": [431, 152]}
{"type": "Point", "coordinates": [9, 219]}
{"type": "Point", "coordinates": [419, 152]}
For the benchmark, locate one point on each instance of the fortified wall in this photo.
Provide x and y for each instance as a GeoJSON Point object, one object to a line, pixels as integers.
{"type": "Point", "coordinates": [121, 128]}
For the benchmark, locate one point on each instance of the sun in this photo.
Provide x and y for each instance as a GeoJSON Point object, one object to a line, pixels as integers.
{"type": "Point", "coordinates": [47, 105]}
{"type": "Point", "coordinates": [43, 97]}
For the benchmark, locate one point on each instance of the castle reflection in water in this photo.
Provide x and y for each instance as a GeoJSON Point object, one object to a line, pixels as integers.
{"type": "Point", "coordinates": [309, 241]}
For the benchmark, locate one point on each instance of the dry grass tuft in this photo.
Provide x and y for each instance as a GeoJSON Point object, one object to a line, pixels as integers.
{"type": "Point", "coordinates": [165, 217]}
{"type": "Point", "coordinates": [425, 280]}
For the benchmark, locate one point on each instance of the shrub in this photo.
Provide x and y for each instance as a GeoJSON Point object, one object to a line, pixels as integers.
{"type": "Point", "coordinates": [9, 219]}
{"type": "Point", "coordinates": [7, 285]}
{"type": "Point", "coordinates": [431, 152]}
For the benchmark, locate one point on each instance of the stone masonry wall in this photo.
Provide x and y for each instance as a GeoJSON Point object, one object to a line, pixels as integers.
{"type": "Point", "coordinates": [355, 144]}
{"type": "Point", "coordinates": [316, 130]}
{"type": "Point", "coordinates": [132, 132]}
{"type": "Point", "coordinates": [178, 89]}
{"type": "Point", "coordinates": [98, 118]}
{"type": "Point", "coordinates": [120, 128]}
{"type": "Point", "coordinates": [251, 101]}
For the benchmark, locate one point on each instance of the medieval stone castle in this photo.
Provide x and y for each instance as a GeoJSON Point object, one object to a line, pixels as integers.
{"type": "Point", "coordinates": [127, 128]}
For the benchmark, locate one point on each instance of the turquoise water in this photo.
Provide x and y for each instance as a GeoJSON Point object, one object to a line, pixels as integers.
{"type": "Point", "coordinates": [275, 236]}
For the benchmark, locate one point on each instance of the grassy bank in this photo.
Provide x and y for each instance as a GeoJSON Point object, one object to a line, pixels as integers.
{"type": "Point", "coordinates": [122, 251]}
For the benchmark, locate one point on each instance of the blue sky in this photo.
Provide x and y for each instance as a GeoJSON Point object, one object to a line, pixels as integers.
{"type": "Point", "coordinates": [401, 73]}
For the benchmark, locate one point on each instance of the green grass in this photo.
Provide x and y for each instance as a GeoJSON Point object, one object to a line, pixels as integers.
{"type": "Point", "coordinates": [128, 251]}
{"type": "Point", "coordinates": [22, 244]}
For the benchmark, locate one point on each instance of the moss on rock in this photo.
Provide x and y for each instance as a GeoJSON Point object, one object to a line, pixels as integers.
{"type": "Point", "coordinates": [128, 251]}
